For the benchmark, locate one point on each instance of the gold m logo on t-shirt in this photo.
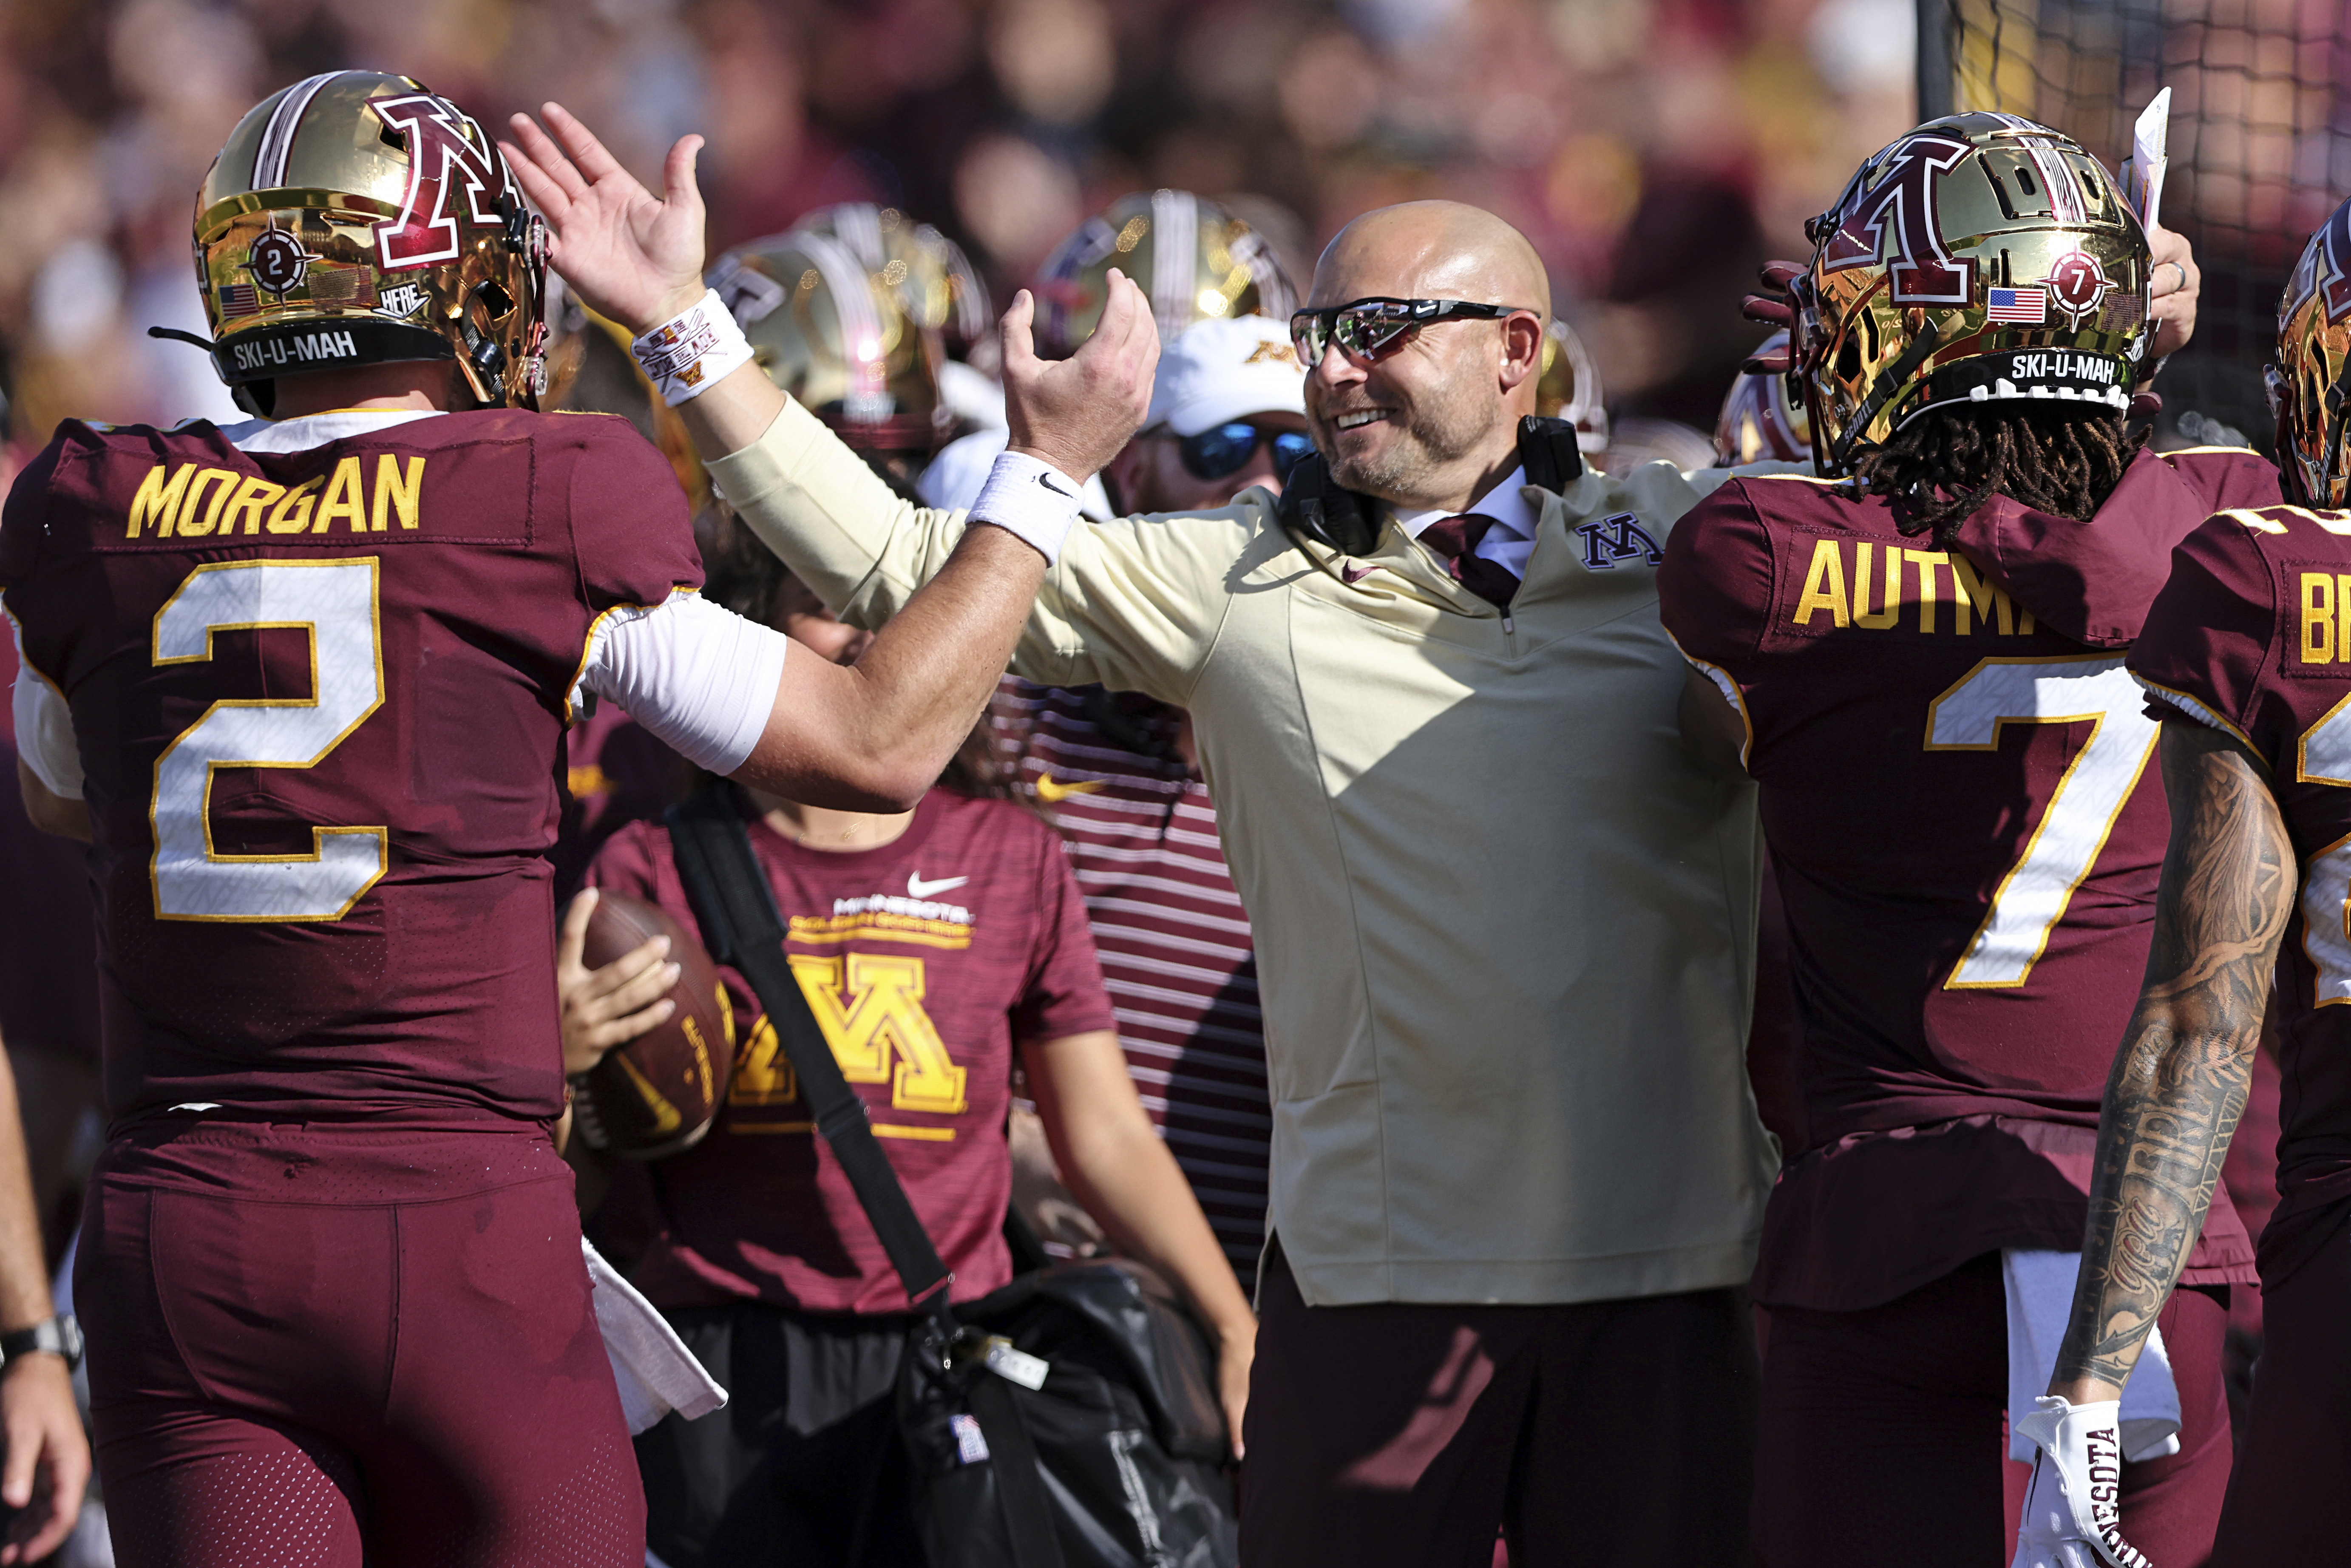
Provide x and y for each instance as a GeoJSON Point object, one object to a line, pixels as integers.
{"type": "Point", "coordinates": [870, 1006]}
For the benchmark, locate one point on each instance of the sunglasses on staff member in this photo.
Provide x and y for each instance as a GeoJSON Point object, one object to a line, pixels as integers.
{"type": "Point", "coordinates": [1222, 450]}
{"type": "Point", "coordinates": [1374, 327]}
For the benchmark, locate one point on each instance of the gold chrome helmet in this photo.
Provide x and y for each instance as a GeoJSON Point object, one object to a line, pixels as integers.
{"type": "Point", "coordinates": [358, 218]}
{"type": "Point", "coordinates": [936, 282]}
{"type": "Point", "coordinates": [1195, 260]}
{"type": "Point", "coordinates": [838, 335]}
{"type": "Point", "coordinates": [2310, 385]}
{"type": "Point", "coordinates": [1980, 257]}
{"type": "Point", "coordinates": [1568, 388]}
{"type": "Point", "coordinates": [1758, 421]}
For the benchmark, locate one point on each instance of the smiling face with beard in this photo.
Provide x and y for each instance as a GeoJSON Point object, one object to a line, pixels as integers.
{"type": "Point", "coordinates": [1432, 422]}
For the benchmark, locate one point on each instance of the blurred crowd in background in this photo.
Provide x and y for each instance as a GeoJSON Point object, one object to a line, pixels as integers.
{"type": "Point", "coordinates": [1655, 150]}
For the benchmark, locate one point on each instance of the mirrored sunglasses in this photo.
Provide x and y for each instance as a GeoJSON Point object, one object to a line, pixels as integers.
{"type": "Point", "coordinates": [1368, 328]}
{"type": "Point", "coordinates": [1223, 450]}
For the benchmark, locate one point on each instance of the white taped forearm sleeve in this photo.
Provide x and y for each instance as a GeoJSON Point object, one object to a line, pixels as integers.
{"type": "Point", "coordinates": [44, 736]}
{"type": "Point", "coordinates": [699, 677]}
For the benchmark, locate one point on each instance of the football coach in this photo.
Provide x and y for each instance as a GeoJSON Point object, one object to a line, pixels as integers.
{"type": "Point", "coordinates": [1503, 916]}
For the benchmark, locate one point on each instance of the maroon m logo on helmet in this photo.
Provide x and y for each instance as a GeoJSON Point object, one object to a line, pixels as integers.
{"type": "Point", "coordinates": [2334, 251]}
{"type": "Point", "coordinates": [445, 149]}
{"type": "Point", "coordinates": [1898, 216]}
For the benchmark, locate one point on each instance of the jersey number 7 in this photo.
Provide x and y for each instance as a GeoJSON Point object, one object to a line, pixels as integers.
{"type": "Point", "coordinates": [336, 603]}
{"type": "Point", "coordinates": [2092, 689]}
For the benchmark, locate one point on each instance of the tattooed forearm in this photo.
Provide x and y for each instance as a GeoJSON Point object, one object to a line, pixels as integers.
{"type": "Point", "coordinates": [2179, 1080]}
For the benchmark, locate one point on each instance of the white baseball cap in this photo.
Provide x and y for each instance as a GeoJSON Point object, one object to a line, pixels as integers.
{"type": "Point", "coordinates": [1224, 369]}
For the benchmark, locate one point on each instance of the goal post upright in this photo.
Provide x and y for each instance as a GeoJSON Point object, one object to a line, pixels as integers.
{"type": "Point", "coordinates": [1937, 74]}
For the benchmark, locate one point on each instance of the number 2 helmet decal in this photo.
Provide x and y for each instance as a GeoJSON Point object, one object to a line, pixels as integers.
{"type": "Point", "coordinates": [2309, 384]}
{"type": "Point", "coordinates": [359, 218]}
{"type": "Point", "coordinates": [1976, 258]}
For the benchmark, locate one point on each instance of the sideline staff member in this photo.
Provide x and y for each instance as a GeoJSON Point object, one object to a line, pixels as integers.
{"type": "Point", "coordinates": [1504, 916]}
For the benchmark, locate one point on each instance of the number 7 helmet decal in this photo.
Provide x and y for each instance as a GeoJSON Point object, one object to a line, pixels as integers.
{"type": "Point", "coordinates": [1978, 258]}
{"type": "Point", "coordinates": [358, 218]}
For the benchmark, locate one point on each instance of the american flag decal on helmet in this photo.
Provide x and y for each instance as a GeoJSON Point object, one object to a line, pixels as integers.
{"type": "Point", "coordinates": [2028, 306]}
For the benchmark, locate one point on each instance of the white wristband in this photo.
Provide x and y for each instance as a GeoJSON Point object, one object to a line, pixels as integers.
{"type": "Point", "coordinates": [694, 351]}
{"type": "Point", "coordinates": [1030, 500]}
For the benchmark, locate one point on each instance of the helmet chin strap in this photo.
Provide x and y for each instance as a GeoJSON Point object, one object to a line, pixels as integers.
{"type": "Point", "coordinates": [173, 334]}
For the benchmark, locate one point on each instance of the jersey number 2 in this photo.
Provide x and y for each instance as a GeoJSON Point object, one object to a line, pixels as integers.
{"type": "Point", "coordinates": [2092, 689]}
{"type": "Point", "coordinates": [335, 602]}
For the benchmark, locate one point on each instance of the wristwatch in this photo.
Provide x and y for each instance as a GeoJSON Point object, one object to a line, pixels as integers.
{"type": "Point", "coordinates": [60, 1335]}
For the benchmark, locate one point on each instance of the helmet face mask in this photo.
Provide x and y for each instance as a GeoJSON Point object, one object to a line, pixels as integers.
{"type": "Point", "coordinates": [2309, 384]}
{"type": "Point", "coordinates": [1978, 258]}
{"type": "Point", "coordinates": [1197, 261]}
{"type": "Point", "coordinates": [357, 219]}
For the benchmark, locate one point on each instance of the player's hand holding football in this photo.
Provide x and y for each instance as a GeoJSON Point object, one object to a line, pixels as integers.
{"type": "Point", "coordinates": [47, 1463]}
{"type": "Point", "coordinates": [631, 255]}
{"type": "Point", "coordinates": [609, 1007]}
{"type": "Point", "coordinates": [1080, 413]}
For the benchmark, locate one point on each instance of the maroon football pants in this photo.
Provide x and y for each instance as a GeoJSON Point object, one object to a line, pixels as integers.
{"type": "Point", "coordinates": [1885, 1433]}
{"type": "Point", "coordinates": [318, 1345]}
{"type": "Point", "coordinates": [2290, 1500]}
{"type": "Point", "coordinates": [1602, 1432]}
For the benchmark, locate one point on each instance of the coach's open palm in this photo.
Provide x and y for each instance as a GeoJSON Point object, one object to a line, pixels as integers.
{"type": "Point", "coordinates": [631, 256]}
{"type": "Point", "coordinates": [1078, 413]}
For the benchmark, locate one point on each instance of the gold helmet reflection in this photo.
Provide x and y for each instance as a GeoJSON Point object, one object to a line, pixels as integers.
{"type": "Point", "coordinates": [360, 218]}
{"type": "Point", "coordinates": [1979, 258]}
{"type": "Point", "coordinates": [2309, 384]}
{"type": "Point", "coordinates": [834, 323]}
{"type": "Point", "coordinates": [1758, 421]}
{"type": "Point", "coordinates": [1568, 388]}
{"type": "Point", "coordinates": [1197, 261]}
{"type": "Point", "coordinates": [935, 281]}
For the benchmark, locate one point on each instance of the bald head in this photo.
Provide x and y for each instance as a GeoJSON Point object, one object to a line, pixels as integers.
{"type": "Point", "coordinates": [1433, 250]}
{"type": "Point", "coordinates": [1429, 417]}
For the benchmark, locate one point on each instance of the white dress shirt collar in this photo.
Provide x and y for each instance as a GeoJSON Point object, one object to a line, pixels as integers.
{"type": "Point", "coordinates": [1504, 503]}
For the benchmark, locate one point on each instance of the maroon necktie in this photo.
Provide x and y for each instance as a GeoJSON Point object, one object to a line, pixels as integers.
{"type": "Point", "coordinates": [1455, 538]}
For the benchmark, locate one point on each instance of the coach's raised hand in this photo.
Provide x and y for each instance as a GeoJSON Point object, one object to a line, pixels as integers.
{"type": "Point", "coordinates": [1080, 413]}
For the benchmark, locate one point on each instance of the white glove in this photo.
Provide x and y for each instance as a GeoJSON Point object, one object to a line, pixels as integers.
{"type": "Point", "coordinates": [2073, 1511]}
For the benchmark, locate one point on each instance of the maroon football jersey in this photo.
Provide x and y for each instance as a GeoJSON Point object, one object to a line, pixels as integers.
{"type": "Point", "coordinates": [2253, 631]}
{"type": "Point", "coordinates": [1966, 831]}
{"type": "Point", "coordinates": [925, 961]}
{"type": "Point", "coordinates": [319, 697]}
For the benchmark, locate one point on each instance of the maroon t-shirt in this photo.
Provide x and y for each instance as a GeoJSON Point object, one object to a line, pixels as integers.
{"type": "Point", "coordinates": [926, 960]}
{"type": "Point", "coordinates": [2252, 633]}
{"type": "Point", "coordinates": [319, 698]}
{"type": "Point", "coordinates": [1966, 833]}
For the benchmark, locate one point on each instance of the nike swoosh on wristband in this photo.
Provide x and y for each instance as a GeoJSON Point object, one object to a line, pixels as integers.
{"type": "Point", "coordinates": [1052, 790]}
{"type": "Point", "coordinates": [917, 888]}
{"type": "Point", "coordinates": [1046, 480]}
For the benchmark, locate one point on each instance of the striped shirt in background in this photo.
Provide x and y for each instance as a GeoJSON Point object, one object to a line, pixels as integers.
{"type": "Point", "coordinates": [1173, 939]}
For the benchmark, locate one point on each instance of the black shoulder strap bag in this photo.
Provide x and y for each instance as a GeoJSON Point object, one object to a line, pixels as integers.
{"type": "Point", "coordinates": [1069, 1420]}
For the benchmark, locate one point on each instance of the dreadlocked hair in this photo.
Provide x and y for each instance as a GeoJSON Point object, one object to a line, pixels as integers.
{"type": "Point", "coordinates": [1937, 469]}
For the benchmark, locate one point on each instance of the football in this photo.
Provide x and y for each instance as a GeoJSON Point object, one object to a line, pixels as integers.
{"type": "Point", "coordinates": [660, 1093]}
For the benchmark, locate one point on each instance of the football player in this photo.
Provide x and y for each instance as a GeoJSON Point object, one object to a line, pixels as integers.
{"type": "Point", "coordinates": [1919, 656]}
{"type": "Point", "coordinates": [302, 684]}
{"type": "Point", "coordinates": [2245, 659]}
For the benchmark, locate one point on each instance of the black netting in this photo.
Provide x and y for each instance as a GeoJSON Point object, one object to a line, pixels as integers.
{"type": "Point", "coordinates": [2260, 149]}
